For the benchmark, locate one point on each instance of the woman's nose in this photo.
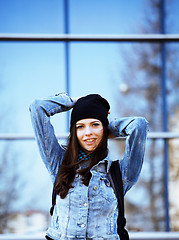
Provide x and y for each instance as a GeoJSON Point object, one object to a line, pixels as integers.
{"type": "Point", "coordinates": [87, 131]}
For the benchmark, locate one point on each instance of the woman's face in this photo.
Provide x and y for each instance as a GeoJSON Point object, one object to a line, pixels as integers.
{"type": "Point", "coordinates": [89, 133]}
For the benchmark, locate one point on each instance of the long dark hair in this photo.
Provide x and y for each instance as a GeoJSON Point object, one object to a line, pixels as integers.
{"type": "Point", "coordinates": [69, 166]}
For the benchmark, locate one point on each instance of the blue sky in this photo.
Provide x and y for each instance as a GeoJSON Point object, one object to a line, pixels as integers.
{"type": "Point", "coordinates": [35, 70]}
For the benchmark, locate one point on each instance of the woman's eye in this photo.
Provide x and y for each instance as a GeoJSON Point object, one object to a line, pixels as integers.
{"type": "Point", "coordinates": [95, 124]}
{"type": "Point", "coordinates": [79, 127]}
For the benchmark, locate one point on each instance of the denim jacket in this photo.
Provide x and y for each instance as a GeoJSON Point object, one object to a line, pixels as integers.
{"type": "Point", "coordinates": [87, 212]}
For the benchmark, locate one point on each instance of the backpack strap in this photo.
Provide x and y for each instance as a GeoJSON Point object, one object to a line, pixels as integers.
{"type": "Point", "coordinates": [53, 199]}
{"type": "Point", "coordinates": [115, 178]}
{"type": "Point", "coordinates": [54, 194]}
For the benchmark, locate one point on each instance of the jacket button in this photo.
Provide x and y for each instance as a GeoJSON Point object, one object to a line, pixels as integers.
{"type": "Point", "coordinates": [82, 225]}
{"type": "Point", "coordinates": [108, 184]}
{"type": "Point", "coordinates": [95, 188]}
{"type": "Point", "coordinates": [85, 204]}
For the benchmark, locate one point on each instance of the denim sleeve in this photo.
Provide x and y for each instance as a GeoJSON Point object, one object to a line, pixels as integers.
{"type": "Point", "coordinates": [135, 131]}
{"type": "Point", "coordinates": [50, 150]}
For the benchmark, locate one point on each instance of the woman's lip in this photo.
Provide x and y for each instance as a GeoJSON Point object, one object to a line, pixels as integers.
{"type": "Point", "coordinates": [89, 141]}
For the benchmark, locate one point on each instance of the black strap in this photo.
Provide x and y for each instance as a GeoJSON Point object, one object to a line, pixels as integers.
{"type": "Point", "coordinates": [53, 199]}
{"type": "Point", "coordinates": [48, 238]}
{"type": "Point", "coordinates": [115, 174]}
{"type": "Point", "coordinates": [118, 184]}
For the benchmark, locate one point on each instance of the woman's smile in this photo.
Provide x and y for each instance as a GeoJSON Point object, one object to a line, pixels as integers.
{"type": "Point", "coordinates": [89, 141]}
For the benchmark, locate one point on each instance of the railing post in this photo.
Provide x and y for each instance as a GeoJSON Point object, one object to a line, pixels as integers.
{"type": "Point", "coordinates": [67, 54]}
{"type": "Point", "coordinates": [164, 113]}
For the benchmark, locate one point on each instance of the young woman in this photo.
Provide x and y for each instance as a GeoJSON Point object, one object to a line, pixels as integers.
{"type": "Point", "coordinates": [86, 204]}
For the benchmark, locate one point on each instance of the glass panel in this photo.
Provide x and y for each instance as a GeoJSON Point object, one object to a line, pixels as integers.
{"type": "Point", "coordinates": [172, 66]}
{"type": "Point", "coordinates": [128, 75]}
{"type": "Point", "coordinates": [25, 188]}
{"type": "Point", "coordinates": [93, 17]}
{"type": "Point", "coordinates": [40, 16]}
{"type": "Point", "coordinates": [172, 23]}
{"type": "Point", "coordinates": [146, 199]}
{"type": "Point", "coordinates": [28, 71]}
{"type": "Point", "coordinates": [174, 182]}
{"type": "Point", "coordinates": [102, 17]}
{"type": "Point", "coordinates": [120, 17]}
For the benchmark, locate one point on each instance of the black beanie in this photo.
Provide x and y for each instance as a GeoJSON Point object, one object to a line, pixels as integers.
{"type": "Point", "coordinates": [90, 106]}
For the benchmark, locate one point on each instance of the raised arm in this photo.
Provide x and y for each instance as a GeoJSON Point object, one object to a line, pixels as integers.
{"type": "Point", "coordinates": [134, 129]}
{"type": "Point", "coordinates": [41, 111]}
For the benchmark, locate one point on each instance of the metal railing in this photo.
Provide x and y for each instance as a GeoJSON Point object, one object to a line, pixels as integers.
{"type": "Point", "coordinates": [90, 37]}
{"type": "Point", "coordinates": [133, 236]}
{"type": "Point", "coordinates": [151, 135]}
